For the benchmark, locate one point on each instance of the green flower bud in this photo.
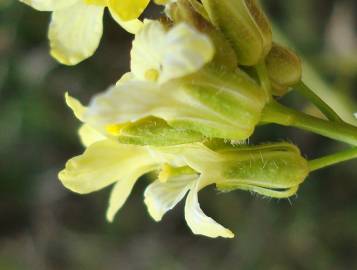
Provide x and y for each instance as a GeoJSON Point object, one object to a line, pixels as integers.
{"type": "Point", "coordinates": [274, 170]}
{"type": "Point", "coordinates": [153, 131]}
{"type": "Point", "coordinates": [284, 69]}
{"type": "Point", "coordinates": [184, 11]}
{"type": "Point", "coordinates": [244, 24]}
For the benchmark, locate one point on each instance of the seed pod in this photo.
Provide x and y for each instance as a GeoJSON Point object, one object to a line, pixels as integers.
{"type": "Point", "coordinates": [273, 170]}
{"type": "Point", "coordinates": [284, 69]}
{"type": "Point", "coordinates": [245, 25]}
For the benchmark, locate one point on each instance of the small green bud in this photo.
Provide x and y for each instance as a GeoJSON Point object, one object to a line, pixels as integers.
{"type": "Point", "coordinates": [244, 24]}
{"type": "Point", "coordinates": [153, 131]}
{"type": "Point", "coordinates": [284, 69]}
{"type": "Point", "coordinates": [274, 170]}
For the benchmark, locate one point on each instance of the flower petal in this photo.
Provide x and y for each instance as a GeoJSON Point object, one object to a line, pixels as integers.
{"type": "Point", "coordinates": [89, 135]}
{"type": "Point", "coordinates": [133, 100]}
{"type": "Point", "coordinates": [75, 32]}
{"type": "Point", "coordinates": [76, 106]}
{"type": "Point", "coordinates": [198, 221]}
{"type": "Point", "coordinates": [49, 5]}
{"type": "Point", "coordinates": [158, 55]}
{"type": "Point", "coordinates": [132, 26]}
{"type": "Point", "coordinates": [104, 163]}
{"type": "Point", "coordinates": [187, 50]}
{"type": "Point", "coordinates": [122, 190]}
{"type": "Point", "coordinates": [148, 48]}
{"type": "Point", "coordinates": [161, 197]}
{"type": "Point", "coordinates": [127, 10]}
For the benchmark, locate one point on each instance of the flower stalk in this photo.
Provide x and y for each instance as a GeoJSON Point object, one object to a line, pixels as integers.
{"type": "Point", "coordinates": [323, 162]}
{"type": "Point", "coordinates": [282, 115]}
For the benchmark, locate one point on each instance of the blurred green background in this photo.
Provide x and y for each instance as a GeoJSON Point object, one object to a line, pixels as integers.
{"type": "Point", "coordinates": [44, 226]}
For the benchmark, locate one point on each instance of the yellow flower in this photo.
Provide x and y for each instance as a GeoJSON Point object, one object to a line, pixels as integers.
{"type": "Point", "coordinates": [77, 25]}
{"type": "Point", "coordinates": [106, 162]}
{"type": "Point", "coordinates": [214, 103]}
{"type": "Point", "coordinates": [161, 55]}
{"type": "Point", "coordinates": [274, 170]}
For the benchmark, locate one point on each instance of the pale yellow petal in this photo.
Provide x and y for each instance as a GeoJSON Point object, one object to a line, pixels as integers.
{"type": "Point", "coordinates": [89, 135]}
{"type": "Point", "coordinates": [49, 5]}
{"type": "Point", "coordinates": [76, 106]}
{"type": "Point", "coordinates": [75, 32]}
{"type": "Point", "coordinates": [132, 26]}
{"type": "Point", "coordinates": [102, 164]}
{"type": "Point", "coordinates": [161, 197]}
{"type": "Point", "coordinates": [200, 223]}
{"type": "Point", "coordinates": [187, 50]}
{"type": "Point", "coordinates": [122, 190]}
{"type": "Point", "coordinates": [148, 49]}
{"type": "Point", "coordinates": [125, 78]}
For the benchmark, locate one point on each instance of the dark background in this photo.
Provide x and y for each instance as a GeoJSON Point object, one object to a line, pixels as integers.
{"type": "Point", "coordinates": [44, 226]}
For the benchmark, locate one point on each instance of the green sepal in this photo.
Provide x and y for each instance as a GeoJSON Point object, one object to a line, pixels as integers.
{"type": "Point", "coordinates": [245, 25]}
{"type": "Point", "coordinates": [156, 132]}
{"type": "Point", "coordinates": [273, 170]}
{"type": "Point", "coordinates": [230, 103]}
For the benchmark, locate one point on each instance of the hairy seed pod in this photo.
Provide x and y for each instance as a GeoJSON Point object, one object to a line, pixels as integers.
{"type": "Point", "coordinates": [284, 69]}
{"type": "Point", "coordinates": [244, 24]}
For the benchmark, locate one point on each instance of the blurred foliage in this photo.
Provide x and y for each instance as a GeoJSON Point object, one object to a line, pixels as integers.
{"type": "Point", "coordinates": [44, 226]}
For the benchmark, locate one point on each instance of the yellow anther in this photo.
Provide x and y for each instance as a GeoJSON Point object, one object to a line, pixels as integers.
{"type": "Point", "coordinates": [115, 129]}
{"type": "Point", "coordinates": [152, 75]}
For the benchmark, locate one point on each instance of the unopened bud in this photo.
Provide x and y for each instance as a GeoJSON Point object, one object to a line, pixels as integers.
{"type": "Point", "coordinates": [284, 69]}
{"type": "Point", "coordinates": [274, 170]}
{"type": "Point", "coordinates": [244, 24]}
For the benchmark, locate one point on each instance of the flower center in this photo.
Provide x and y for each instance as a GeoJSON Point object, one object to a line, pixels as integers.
{"type": "Point", "coordinates": [152, 75]}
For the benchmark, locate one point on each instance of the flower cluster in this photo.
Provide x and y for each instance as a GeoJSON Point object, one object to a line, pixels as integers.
{"type": "Point", "coordinates": [202, 79]}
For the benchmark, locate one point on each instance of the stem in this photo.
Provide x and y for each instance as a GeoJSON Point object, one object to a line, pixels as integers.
{"type": "Point", "coordinates": [282, 115]}
{"type": "Point", "coordinates": [305, 91]}
{"type": "Point", "coordinates": [324, 162]}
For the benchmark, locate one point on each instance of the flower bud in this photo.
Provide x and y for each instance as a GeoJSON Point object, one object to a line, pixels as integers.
{"type": "Point", "coordinates": [284, 69]}
{"type": "Point", "coordinates": [244, 24]}
{"type": "Point", "coordinates": [152, 131]}
{"type": "Point", "coordinates": [184, 11]}
{"type": "Point", "coordinates": [274, 170]}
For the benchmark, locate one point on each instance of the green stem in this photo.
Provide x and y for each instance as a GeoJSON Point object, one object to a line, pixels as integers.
{"type": "Point", "coordinates": [305, 91]}
{"type": "Point", "coordinates": [282, 115]}
{"type": "Point", "coordinates": [330, 160]}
